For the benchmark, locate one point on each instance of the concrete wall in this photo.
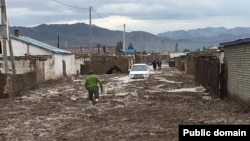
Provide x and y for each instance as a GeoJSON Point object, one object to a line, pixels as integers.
{"type": "Point", "coordinates": [46, 67]}
{"type": "Point", "coordinates": [40, 70]}
{"type": "Point", "coordinates": [26, 64]}
{"type": "Point", "coordinates": [54, 68]}
{"type": "Point", "coordinates": [22, 65]}
{"type": "Point", "coordinates": [61, 65]}
{"type": "Point", "coordinates": [237, 59]}
{"type": "Point", "coordinates": [34, 70]}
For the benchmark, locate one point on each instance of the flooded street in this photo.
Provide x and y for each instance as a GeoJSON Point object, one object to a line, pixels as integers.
{"type": "Point", "coordinates": [138, 110]}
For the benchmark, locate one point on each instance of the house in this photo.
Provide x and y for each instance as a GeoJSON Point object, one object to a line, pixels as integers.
{"type": "Point", "coordinates": [49, 62]}
{"type": "Point", "coordinates": [128, 51]}
{"type": "Point", "coordinates": [213, 49]}
{"type": "Point", "coordinates": [237, 61]}
{"type": "Point", "coordinates": [95, 50]}
{"type": "Point", "coordinates": [177, 59]}
{"type": "Point", "coordinates": [176, 54]}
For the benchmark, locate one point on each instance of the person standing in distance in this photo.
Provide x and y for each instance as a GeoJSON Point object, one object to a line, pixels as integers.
{"type": "Point", "coordinates": [159, 64]}
{"type": "Point", "coordinates": [92, 84]}
{"type": "Point", "coordinates": [154, 63]}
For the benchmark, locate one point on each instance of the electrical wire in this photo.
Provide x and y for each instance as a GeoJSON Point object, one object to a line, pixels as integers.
{"type": "Point", "coordinates": [105, 20]}
{"type": "Point", "coordinates": [101, 17]}
{"type": "Point", "coordinates": [69, 5]}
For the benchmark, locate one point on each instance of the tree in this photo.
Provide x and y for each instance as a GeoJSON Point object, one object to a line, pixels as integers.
{"type": "Point", "coordinates": [198, 50]}
{"type": "Point", "coordinates": [98, 45]}
{"type": "Point", "coordinates": [204, 49]}
{"type": "Point", "coordinates": [119, 45]}
{"type": "Point", "coordinates": [186, 50]}
{"type": "Point", "coordinates": [130, 46]}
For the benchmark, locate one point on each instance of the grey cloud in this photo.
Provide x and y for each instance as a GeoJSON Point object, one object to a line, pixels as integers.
{"type": "Point", "coordinates": [43, 11]}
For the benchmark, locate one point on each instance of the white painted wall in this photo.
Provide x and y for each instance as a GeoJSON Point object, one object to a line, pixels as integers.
{"type": "Point", "coordinates": [22, 66]}
{"type": "Point", "coordinates": [176, 54]}
{"type": "Point", "coordinates": [79, 62]}
{"type": "Point", "coordinates": [49, 69]}
{"type": "Point", "coordinates": [70, 64]}
{"type": "Point", "coordinates": [20, 49]}
{"type": "Point", "coordinates": [54, 66]}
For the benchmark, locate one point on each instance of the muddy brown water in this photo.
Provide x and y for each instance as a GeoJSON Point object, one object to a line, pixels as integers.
{"type": "Point", "coordinates": [138, 110]}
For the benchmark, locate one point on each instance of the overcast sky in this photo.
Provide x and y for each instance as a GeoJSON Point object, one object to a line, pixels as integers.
{"type": "Point", "coordinates": [154, 16]}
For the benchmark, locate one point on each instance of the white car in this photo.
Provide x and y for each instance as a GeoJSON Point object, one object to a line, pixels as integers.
{"type": "Point", "coordinates": [139, 71]}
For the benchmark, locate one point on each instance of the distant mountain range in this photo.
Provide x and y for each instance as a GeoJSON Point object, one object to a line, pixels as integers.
{"type": "Point", "coordinates": [77, 35]}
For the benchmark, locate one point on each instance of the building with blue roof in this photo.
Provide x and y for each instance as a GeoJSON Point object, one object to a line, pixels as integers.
{"type": "Point", "coordinates": [47, 61]}
{"type": "Point", "coordinates": [127, 51]}
{"type": "Point", "coordinates": [34, 47]}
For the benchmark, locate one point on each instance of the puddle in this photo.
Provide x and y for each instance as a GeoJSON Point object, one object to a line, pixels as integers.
{"type": "Point", "coordinates": [195, 89]}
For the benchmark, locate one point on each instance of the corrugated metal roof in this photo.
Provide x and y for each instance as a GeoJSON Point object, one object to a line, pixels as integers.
{"type": "Point", "coordinates": [240, 41]}
{"type": "Point", "coordinates": [41, 45]}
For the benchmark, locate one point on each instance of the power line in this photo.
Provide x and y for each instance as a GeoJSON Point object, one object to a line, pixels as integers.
{"type": "Point", "coordinates": [105, 20]}
{"type": "Point", "coordinates": [129, 28]}
{"type": "Point", "coordinates": [101, 17]}
{"type": "Point", "coordinates": [70, 5]}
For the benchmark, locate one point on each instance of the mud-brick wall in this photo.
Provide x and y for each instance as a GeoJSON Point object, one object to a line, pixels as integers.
{"type": "Point", "coordinates": [12, 85]}
{"type": "Point", "coordinates": [3, 78]}
{"type": "Point", "coordinates": [101, 64]}
{"type": "Point", "coordinates": [144, 58]}
{"type": "Point", "coordinates": [190, 64]}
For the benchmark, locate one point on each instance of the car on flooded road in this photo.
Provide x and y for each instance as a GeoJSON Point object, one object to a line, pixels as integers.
{"type": "Point", "coordinates": [139, 71]}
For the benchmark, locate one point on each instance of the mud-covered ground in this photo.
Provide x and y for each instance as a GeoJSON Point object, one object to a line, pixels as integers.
{"type": "Point", "coordinates": [129, 110]}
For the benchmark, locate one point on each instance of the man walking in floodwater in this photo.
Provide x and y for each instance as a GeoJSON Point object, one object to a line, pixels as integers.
{"type": "Point", "coordinates": [92, 84]}
{"type": "Point", "coordinates": [154, 63]}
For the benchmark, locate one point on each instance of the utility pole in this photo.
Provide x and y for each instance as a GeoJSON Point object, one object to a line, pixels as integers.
{"type": "Point", "coordinates": [58, 38]}
{"type": "Point", "coordinates": [66, 43]}
{"type": "Point", "coordinates": [124, 38]}
{"type": "Point", "coordinates": [141, 44]}
{"type": "Point", "coordinates": [90, 36]}
{"type": "Point", "coordinates": [162, 44]}
{"type": "Point", "coordinates": [12, 57]}
{"type": "Point", "coordinates": [6, 36]}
